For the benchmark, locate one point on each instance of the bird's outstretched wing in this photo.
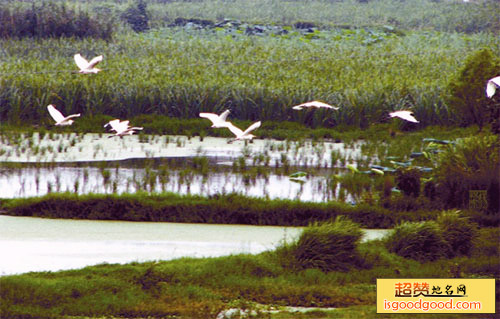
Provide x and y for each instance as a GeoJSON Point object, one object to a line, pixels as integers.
{"type": "Point", "coordinates": [211, 116]}
{"type": "Point", "coordinates": [236, 131]}
{"type": "Point", "coordinates": [109, 123]}
{"type": "Point", "coordinates": [72, 116]}
{"type": "Point", "coordinates": [491, 86]}
{"type": "Point", "coordinates": [56, 115]}
{"type": "Point", "coordinates": [81, 62]}
{"type": "Point", "coordinates": [252, 127]}
{"type": "Point", "coordinates": [224, 115]}
{"type": "Point", "coordinates": [317, 104]}
{"type": "Point", "coordinates": [94, 61]}
{"type": "Point", "coordinates": [405, 115]}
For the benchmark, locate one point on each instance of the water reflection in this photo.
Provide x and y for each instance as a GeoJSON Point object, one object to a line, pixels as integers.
{"type": "Point", "coordinates": [201, 176]}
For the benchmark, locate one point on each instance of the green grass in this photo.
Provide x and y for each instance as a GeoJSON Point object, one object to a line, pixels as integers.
{"type": "Point", "coordinates": [202, 287]}
{"type": "Point", "coordinates": [216, 209]}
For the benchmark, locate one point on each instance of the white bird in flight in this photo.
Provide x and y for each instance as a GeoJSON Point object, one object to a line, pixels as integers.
{"type": "Point", "coordinates": [85, 66]}
{"type": "Point", "coordinates": [316, 104]}
{"type": "Point", "coordinates": [492, 86]}
{"type": "Point", "coordinates": [218, 121]}
{"type": "Point", "coordinates": [405, 115]}
{"type": "Point", "coordinates": [243, 135]}
{"type": "Point", "coordinates": [116, 123]}
{"type": "Point", "coordinates": [122, 128]}
{"type": "Point", "coordinates": [59, 117]}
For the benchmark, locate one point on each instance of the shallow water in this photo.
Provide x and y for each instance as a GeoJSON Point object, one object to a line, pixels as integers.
{"type": "Point", "coordinates": [38, 181]}
{"type": "Point", "coordinates": [63, 162]}
{"type": "Point", "coordinates": [39, 244]}
{"type": "Point", "coordinates": [98, 147]}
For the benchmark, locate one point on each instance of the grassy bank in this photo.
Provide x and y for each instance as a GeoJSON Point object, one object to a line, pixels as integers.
{"type": "Point", "coordinates": [223, 209]}
{"type": "Point", "coordinates": [218, 209]}
{"type": "Point", "coordinates": [200, 288]}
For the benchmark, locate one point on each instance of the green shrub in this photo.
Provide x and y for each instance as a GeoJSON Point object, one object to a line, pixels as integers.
{"type": "Point", "coordinates": [470, 164]}
{"type": "Point", "coordinates": [329, 246]}
{"type": "Point", "coordinates": [467, 88]}
{"type": "Point", "coordinates": [458, 231]}
{"type": "Point", "coordinates": [408, 181]}
{"type": "Point", "coordinates": [422, 241]}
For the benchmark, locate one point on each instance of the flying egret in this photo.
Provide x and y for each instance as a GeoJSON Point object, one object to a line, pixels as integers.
{"type": "Point", "coordinates": [122, 128]}
{"type": "Point", "coordinates": [117, 123]}
{"type": "Point", "coordinates": [59, 118]}
{"type": "Point", "coordinates": [316, 104]}
{"type": "Point", "coordinates": [218, 121]}
{"type": "Point", "coordinates": [243, 135]}
{"type": "Point", "coordinates": [405, 115]}
{"type": "Point", "coordinates": [492, 86]}
{"type": "Point", "coordinates": [85, 66]}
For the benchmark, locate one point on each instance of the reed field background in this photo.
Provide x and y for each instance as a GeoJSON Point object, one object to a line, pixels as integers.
{"type": "Point", "coordinates": [368, 67]}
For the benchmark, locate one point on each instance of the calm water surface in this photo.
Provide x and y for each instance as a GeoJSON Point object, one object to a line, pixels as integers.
{"type": "Point", "coordinates": [31, 181]}
{"type": "Point", "coordinates": [38, 244]}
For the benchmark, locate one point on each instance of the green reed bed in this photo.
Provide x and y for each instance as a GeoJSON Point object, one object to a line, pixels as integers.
{"type": "Point", "coordinates": [201, 288]}
{"type": "Point", "coordinates": [373, 210]}
{"type": "Point", "coordinates": [180, 73]}
{"type": "Point", "coordinates": [222, 209]}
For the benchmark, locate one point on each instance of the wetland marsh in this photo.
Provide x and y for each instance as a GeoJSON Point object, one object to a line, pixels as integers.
{"type": "Point", "coordinates": [177, 222]}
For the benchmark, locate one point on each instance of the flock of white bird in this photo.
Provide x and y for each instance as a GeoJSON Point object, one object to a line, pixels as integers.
{"type": "Point", "coordinates": [122, 128]}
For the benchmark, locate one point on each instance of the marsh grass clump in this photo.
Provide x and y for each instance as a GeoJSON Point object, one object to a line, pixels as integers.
{"type": "Point", "coordinates": [458, 231]}
{"type": "Point", "coordinates": [329, 246]}
{"type": "Point", "coordinates": [422, 241]}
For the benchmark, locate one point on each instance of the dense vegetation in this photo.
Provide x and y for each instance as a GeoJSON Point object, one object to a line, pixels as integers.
{"type": "Point", "coordinates": [449, 236]}
{"type": "Point", "coordinates": [49, 20]}
{"type": "Point", "coordinates": [225, 209]}
{"type": "Point", "coordinates": [438, 15]}
{"type": "Point", "coordinates": [222, 209]}
{"type": "Point", "coordinates": [178, 71]}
